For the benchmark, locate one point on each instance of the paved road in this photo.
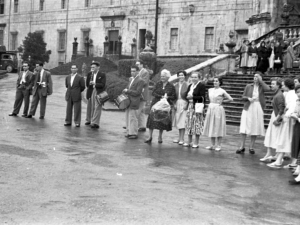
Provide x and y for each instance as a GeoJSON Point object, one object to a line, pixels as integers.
{"type": "Point", "coordinates": [51, 174]}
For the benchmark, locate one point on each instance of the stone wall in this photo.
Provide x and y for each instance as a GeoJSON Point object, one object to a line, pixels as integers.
{"type": "Point", "coordinates": [129, 18]}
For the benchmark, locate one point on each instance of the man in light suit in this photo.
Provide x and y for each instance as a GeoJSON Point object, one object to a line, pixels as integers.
{"type": "Point", "coordinates": [42, 88]}
{"type": "Point", "coordinates": [75, 85]}
{"type": "Point", "coordinates": [24, 87]}
{"type": "Point", "coordinates": [133, 91]}
{"type": "Point", "coordinates": [145, 76]}
{"type": "Point", "coordinates": [95, 83]}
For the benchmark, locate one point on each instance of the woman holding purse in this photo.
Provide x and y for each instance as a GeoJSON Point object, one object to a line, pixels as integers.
{"type": "Point", "coordinates": [215, 121]}
{"type": "Point", "coordinates": [180, 106]}
{"type": "Point", "coordinates": [194, 117]}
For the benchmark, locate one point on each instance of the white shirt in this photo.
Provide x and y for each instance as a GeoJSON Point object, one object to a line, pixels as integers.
{"type": "Point", "coordinates": [95, 75]}
{"type": "Point", "coordinates": [72, 78]}
{"type": "Point", "coordinates": [41, 75]}
{"type": "Point", "coordinates": [193, 86]}
{"type": "Point", "coordinates": [23, 77]}
{"type": "Point", "coordinates": [133, 78]}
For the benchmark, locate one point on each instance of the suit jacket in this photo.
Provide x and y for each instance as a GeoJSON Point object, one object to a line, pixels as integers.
{"type": "Point", "coordinates": [198, 93]}
{"type": "Point", "coordinates": [46, 77]}
{"type": "Point", "coordinates": [145, 76]}
{"type": "Point", "coordinates": [278, 103]}
{"type": "Point", "coordinates": [100, 83]}
{"type": "Point", "coordinates": [29, 80]}
{"type": "Point", "coordinates": [134, 92]}
{"type": "Point", "coordinates": [74, 91]}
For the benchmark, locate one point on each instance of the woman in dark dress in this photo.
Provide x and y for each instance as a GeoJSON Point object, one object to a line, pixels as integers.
{"type": "Point", "coordinates": [264, 55]}
{"type": "Point", "coordinates": [163, 89]}
{"type": "Point", "coordinates": [278, 59]}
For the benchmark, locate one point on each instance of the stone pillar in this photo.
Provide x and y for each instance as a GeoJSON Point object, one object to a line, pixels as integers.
{"type": "Point", "coordinates": [231, 44]}
{"type": "Point", "coordinates": [87, 46]}
{"type": "Point", "coordinates": [75, 49]}
{"type": "Point", "coordinates": [105, 46]}
{"type": "Point", "coordinates": [133, 48]}
{"type": "Point", "coordinates": [119, 50]}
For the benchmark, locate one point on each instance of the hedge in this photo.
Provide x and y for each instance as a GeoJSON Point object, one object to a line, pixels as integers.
{"type": "Point", "coordinates": [125, 66]}
{"type": "Point", "coordinates": [115, 84]}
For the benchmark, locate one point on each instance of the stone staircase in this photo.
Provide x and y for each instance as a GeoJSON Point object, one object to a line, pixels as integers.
{"type": "Point", "coordinates": [234, 84]}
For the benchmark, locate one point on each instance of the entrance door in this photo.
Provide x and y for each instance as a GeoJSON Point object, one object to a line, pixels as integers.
{"type": "Point", "coordinates": [142, 39]}
{"type": "Point", "coordinates": [113, 41]}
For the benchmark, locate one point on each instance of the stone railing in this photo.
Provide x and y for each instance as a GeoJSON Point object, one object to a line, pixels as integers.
{"type": "Point", "coordinates": [217, 66]}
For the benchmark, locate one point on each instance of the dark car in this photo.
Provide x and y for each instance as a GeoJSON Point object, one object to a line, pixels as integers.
{"type": "Point", "coordinates": [8, 61]}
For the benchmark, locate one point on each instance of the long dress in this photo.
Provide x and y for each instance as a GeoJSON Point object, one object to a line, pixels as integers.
{"type": "Point", "coordinates": [285, 134]}
{"type": "Point", "coordinates": [215, 120]}
{"type": "Point", "coordinates": [252, 120]}
{"type": "Point", "coordinates": [194, 121]}
{"type": "Point", "coordinates": [263, 63]}
{"type": "Point", "coordinates": [271, 59]}
{"type": "Point", "coordinates": [244, 60]}
{"type": "Point", "coordinates": [252, 59]}
{"type": "Point", "coordinates": [289, 58]}
{"type": "Point", "coordinates": [158, 92]}
{"type": "Point", "coordinates": [180, 112]}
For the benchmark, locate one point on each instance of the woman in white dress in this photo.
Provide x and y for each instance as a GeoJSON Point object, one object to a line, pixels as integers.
{"type": "Point", "coordinates": [285, 134]}
{"type": "Point", "coordinates": [272, 56]}
{"type": "Point", "coordinates": [252, 59]}
{"type": "Point", "coordinates": [215, 121]}
{"type": "Point", "coordinates": [244, 56]}
{"type": "Point", "coordinates": [276, 118]}
{"type": "Point", "coordinates": [252, 119]}
{"type": "Point", "coordinates": [180, 106]}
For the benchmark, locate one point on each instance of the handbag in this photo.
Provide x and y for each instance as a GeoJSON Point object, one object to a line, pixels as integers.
{"type": "Point", "coordinates": [199, 107]}
{"type": "Point", "coordinates": [102, 97]}
{"type": "Point", "coordinates": [277, 61]}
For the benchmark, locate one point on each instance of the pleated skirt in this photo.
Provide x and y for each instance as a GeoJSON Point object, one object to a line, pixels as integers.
{"type": "Point", "coordinates": [215, 121]}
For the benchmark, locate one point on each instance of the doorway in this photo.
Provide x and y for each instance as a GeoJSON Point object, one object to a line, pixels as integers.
{"type": "Point", "coordinates": [142, 39]}
{"type": "Point", "coordinates": [113, 41]}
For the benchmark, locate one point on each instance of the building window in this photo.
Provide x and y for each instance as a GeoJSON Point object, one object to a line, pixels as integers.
{"type": "Point", "coordinates": [87, 3]}
{"type": "Point", "coordinates": [1, 6]}
{"type": "Point", "coordinates": [61, 40]}
{"type": "Point", "coordinates": [1, 37]}
{"type": "Point", "coordinates": [174, 39]}
{"type": "Point", "coordinates": [63, 4]}
{"type": "Point", "coordinates": [16, 6]}
{"type": "Point", "coordinates": [85, 34]}
{"type": "Point", "coordinates": [209, 39]}
{"type": "Point", "coordinates": [14, 41]}
{"type": "Point", "coordinates": [42, 5]}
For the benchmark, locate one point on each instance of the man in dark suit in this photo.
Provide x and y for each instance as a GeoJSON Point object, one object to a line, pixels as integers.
{"type": "Point", "coordinates": [95, 83]}
{"type": "Point", "coordinates": [133, 91]}
{"type": "Point", "coordinates": [42, 88]}
{"type": "Point", "coordinates": [145, 76]}
{"type": "Point", "coordinates": [24, 87]}
{"type": "Point", "coordinates": [75, 85]}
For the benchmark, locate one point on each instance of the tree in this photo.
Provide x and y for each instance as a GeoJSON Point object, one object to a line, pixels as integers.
{"type": "Point", "coordinates": [34, 49]}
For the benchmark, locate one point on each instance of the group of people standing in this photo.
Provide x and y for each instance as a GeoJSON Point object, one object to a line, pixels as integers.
{"type": "Point", "coordinates": [268, 57]}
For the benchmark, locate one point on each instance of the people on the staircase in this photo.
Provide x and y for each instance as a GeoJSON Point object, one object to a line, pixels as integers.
{"type": "Point", "coordinates": [263, 58]}
{"type": "Point", "coordinates": [215, 121]}
{"type": "Point", "coordinates": [275, 123]}
{"type": "Point", "coordinates": [278, 59]}
{"type": "Point", "coordinates": [195, 118]}
{"type": "Point", "coordinates": [252, 119]}
{"type": "Point", "coordinates": [284, 139]}
{"type": "Point", "coordinates": [244, 56]}
{"type": "Point", "coordinates": [272, 56]}
{"type": "Point", "coordinates": [252, 59]}
{"type": "Point", "coordinates": [290, 57]}
{"type": "Point", "coordinates": [180, 106]}
{"type": "Point", "coordinates": [296, 137]}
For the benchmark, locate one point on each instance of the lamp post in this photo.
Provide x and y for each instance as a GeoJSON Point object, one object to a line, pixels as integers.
{"type": "Point", "coordinates": [156, 24]}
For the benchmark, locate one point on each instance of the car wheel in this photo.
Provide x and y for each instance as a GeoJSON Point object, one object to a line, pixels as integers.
{"type": "Point", "coordinates": [9, 69]}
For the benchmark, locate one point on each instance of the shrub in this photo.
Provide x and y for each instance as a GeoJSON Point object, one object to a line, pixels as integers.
{"type": "Point", "coordinates": [115, 85]}
{"type": "Point", "coordinates": [124, 67]}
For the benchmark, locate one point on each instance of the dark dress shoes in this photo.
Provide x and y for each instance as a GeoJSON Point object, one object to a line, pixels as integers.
{"type": "Point", "coordinates": [94, 126]}
{"type": "Point", "coordinates": [251, 151]}
{"type": "Point", "coordinates": [12, 114]}
{"type": "Point", "coordinates": [124, 127]}
{"type": "Point", "coordinates": [132, 136]}
{"type": "Point", "coordinates": [29, 116]}
{"type": "Point", "coordinates": [77, 125]}
{"type": "Point", "coordinates": [67, 124]}
{"type": "Point", "coordinates": [294, 182]}
{"type": "Point", "coordinates": [142, 129]}
{"type": "Point", "coordinates": [24, 115]}
{"type": "Point", "coordinates": [149, 140]}
{"type": "Point", "coordinates": [87, 123]}
{"type": "Point", "coordinates": [42, 117]}
{"type": "Point", "coordinates": [240, 151]}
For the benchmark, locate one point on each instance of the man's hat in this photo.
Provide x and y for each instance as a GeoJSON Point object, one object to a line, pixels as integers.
{"type": "Point", "coordinates": [95, 63]}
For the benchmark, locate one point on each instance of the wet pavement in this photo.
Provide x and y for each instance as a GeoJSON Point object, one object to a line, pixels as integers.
{"type": "Point", "coordinates": [51, 174]}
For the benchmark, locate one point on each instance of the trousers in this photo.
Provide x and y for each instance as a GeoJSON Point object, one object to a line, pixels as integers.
{"type": "Point", "coordinates": [38, 97]}
{"type": "Point", "coordinates": [94, 109]}
{"type": "Point", "coordinates": [77, 111]}
{"type": "Point", "coordinates": [21, 94]}
{"type": "Point", "coordinates": [132, 121]}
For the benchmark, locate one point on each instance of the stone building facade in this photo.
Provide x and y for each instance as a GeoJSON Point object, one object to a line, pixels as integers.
{"type": "Point", "coordinates": [184, 26]}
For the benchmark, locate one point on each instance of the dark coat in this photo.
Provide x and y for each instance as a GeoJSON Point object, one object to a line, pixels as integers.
{"type": "Point", "coordinates": [134, 92]}
{"type": "Point", "coordinates": [74, 92]}
{"type": "Point", "coordinates": [29, 80]}
{"type": "Point", "coordinates": [248, 93]}
{"type": "Point", "coordinates": [278, 51]}
{"type": "Point", "coordinates": [278, 103]}
{"type": "Point", "coordinates": [198, 93]}
{"type": "Point", "coordinates": [100, 83]}
{"type": "Point", "coordinates": [48, 89]}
